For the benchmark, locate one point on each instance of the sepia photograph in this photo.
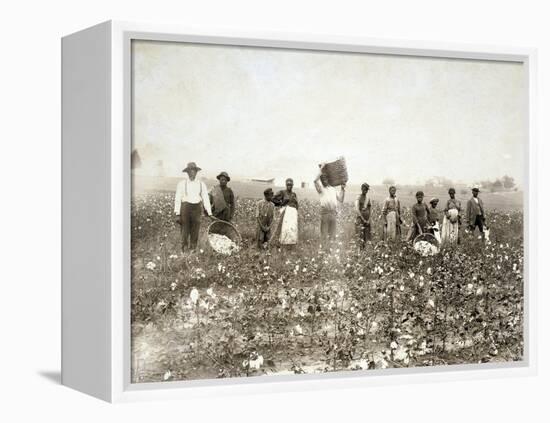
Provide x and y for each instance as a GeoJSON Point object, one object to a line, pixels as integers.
{"type": "Point", "coordinates": [308, 211]}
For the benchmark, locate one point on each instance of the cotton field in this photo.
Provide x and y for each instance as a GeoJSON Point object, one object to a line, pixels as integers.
{"type": "Point", "coordinates": [309, 310]}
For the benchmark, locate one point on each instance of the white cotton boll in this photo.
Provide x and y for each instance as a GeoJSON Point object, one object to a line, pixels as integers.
{"type": "Point", "coordinates": [194, 296]}
{"type": "Point", "coordinates": [298, 329]}
{"type": "Point", "coordinates": [400, 354]}
{"type": "Point", "coordinates": [151, 265]}
{"type": "Point", "coordinates": [255, 363]}
{"type": "Point", "coordinates": [373, 327]}
{"type": "Point", "coordinates": [167, 375]}
{"type": "Point", "coordinates": [210, 292]}
{"type": "Point", "coordinates": [431, 303]}
{"type": "Point", "coordinates": [393, 345]}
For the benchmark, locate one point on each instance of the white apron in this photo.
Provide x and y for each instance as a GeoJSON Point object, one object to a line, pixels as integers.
{"type": "Point", "coordinates": [289, 226]}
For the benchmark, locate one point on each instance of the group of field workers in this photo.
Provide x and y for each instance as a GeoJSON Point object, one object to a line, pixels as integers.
{"type": "Point", "coordinates": [193, 197]}
{"type": "Point", "coordinates": [427, 218]}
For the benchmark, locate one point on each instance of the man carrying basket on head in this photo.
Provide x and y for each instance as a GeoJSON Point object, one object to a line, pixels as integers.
{"type": "Point", "coordinates": [191, 197]}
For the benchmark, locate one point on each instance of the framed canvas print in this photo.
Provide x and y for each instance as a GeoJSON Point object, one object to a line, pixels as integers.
{"type": "Point", "coordinates": [241, 210]}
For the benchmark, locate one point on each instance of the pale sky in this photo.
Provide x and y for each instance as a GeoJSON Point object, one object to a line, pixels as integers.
{"type": "Point", "coordinates": [258, 112]}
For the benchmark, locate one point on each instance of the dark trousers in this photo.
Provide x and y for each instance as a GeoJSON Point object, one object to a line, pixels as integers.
{"type": "Point", "coordinates": [478, 224]}
{"type": "Point", "coordinates": [190, 220]}
{"type": "Point", "coordinates": [262, 237]}
{"type": "Point", "coordinates": [328, 226]}
{"type": "Point", "coordinates": [363, 232]}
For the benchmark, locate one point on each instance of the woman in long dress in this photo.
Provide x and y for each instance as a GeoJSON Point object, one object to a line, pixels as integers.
{"type": "Point", "coordinates": [451, 220]}
{"type": "Point", "coordinates": [287, 200]}
{"type": "Point", "coordinates": [391, 213]}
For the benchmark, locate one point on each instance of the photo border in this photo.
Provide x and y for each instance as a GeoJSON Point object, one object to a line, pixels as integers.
{"type": "Point", "coordinates": [122, 34]}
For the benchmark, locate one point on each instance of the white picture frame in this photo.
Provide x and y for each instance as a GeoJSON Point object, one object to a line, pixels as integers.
{"type": "Point", "coordinates": [96, 132]}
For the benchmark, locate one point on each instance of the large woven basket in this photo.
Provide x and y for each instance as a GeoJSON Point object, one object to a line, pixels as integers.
{"type": "Point", "coordinates": [336, 172]}
{"type": "Point", "coordinates": [222, 227]}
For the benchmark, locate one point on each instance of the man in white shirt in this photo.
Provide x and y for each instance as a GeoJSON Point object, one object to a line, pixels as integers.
{"type": "Point", "coordinates": [191, 198]}
{"type": "Point", "coordinates": [329, 198]}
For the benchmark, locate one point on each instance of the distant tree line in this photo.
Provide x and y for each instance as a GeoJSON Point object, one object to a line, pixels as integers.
{"type": "Point", "coordinates": [506, 183]}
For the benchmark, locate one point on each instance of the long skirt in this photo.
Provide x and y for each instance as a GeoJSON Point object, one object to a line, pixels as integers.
{"type": "Point", "coordinates": [289, 226]}
{"type": "Point", "coordinates": [392, 229]}
{"type": "Point", "coordinates": [449, 232]}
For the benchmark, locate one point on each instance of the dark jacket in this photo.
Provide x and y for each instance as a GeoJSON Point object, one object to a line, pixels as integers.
{"type": "Point", "coordinates": [473, 210]}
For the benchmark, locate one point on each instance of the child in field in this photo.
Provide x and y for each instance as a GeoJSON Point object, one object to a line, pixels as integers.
{"type": "Point", "coordinates": [420, 213]}
{"type": "Point", "coordinates": [391, 213]}
{"type": "Point", "coordinates": [433, 219]}
{"type": "Point", "coordinates": [264, 216]}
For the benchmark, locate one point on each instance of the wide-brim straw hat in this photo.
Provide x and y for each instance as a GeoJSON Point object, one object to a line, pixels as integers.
{"type": "Point", "coordinates": [191, 166]}
{"type": "Point", "coordinates": [223, 174]}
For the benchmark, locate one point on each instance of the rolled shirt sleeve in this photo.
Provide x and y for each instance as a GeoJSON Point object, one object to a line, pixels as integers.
{"type": "Point", "coordinates": [206, 199]}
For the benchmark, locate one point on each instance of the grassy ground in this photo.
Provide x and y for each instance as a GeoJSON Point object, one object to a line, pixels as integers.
{"type": "Point", "coordinates": [308, 310]}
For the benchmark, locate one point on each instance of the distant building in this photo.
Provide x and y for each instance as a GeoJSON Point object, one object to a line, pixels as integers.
{"type": "Point", "coordinates": [264, 181]}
